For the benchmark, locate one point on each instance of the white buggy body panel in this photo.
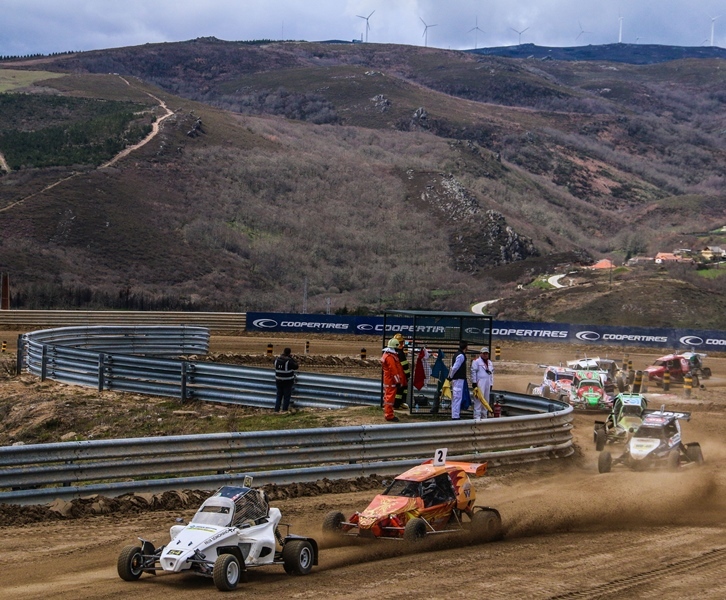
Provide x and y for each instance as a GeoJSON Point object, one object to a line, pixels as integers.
{"type": "Point", "coordinates": [211, 528]}
{"type": "Point", "coordinates": [640, 448]}
{"type": "Point", "coordinates": [233, 530]}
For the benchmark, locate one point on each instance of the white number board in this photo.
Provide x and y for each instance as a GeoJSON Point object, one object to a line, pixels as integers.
{"type": "Point", "coordinates": [440, 457]}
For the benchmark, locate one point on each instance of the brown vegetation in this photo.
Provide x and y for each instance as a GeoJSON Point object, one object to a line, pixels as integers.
{"type": "Point", "coordinates": [372, 176]}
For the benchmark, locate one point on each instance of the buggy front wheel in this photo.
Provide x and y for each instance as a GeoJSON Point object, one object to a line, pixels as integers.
{"type": "Point", "coordinates": [415, 530]}
{"type": "Point", "coordinates": [130, 563]}
{"type": "Point", "coordinates": [604, 462]}
{"type": "Point", "coordinates": [227, 572]}
{"type": "Point", "coordinates": [600, 439]}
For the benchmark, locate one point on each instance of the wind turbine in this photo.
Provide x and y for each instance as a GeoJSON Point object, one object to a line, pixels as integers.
{"type": "Point", "coordinates": [520, 33]}
{"type": "Point", "coordinates": [620, 34]}
{"type": "Point", "coordinates": [713, 22]}
{"type": "Point", "coordinates": [475, 29]}
{"type": "Point", "coordinates": [368, 25]}
{"type": "Point", "coordinates": [582, 31]}
{"type": "Point", "coordinates": [426, 32]}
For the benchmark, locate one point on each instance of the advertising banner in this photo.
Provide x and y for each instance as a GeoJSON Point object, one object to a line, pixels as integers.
{"type": "Point", "coordinates": [667, 339]}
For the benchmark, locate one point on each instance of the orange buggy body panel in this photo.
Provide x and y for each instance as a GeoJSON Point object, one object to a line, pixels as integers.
{"type": "Point", "coordinates": [386, 516]}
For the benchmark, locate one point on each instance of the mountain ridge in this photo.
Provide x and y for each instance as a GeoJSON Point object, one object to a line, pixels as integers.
{"type": "Point", "coordinates": [434, 171]}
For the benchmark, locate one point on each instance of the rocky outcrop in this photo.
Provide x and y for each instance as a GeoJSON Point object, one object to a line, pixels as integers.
{"type": "Point", "coordinates": [478, 238]}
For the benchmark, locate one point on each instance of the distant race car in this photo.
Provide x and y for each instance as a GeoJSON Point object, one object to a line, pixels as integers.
{"type": "Point", "coordinates": [588, 392]}
{"type": "Point", "coordinates": [556, 382]}
{"type": "Point", "coordinates": [678, 366]}
{"type": "Point", "coordinates": [611, 375]}
{"type": "Point", "coordinates": [434, 497]}
{"type": "Point", "coordinates": [656, 443]}
{"type": "Point", "coordinates": [234, 529]}
{"type": "Point", "coordinates": [626, 416]}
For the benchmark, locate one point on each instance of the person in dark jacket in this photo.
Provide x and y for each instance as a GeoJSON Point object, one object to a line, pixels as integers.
{"type": "Point", "coordinates": [285, 367]}
{"type": "Point", "coordinates": [402, 390]}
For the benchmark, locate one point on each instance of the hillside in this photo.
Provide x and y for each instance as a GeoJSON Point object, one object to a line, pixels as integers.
{"type": "Point", "coordinates": [353, 176]}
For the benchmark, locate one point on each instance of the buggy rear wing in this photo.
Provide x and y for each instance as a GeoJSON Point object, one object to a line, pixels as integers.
{"type": "Point", "coordinates": [683, 416]}
{"type": "Point", "coordinates": [477, 469]}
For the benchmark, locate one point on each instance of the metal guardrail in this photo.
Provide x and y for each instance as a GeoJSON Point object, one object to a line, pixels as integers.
{"type": "Point", "coordinates": [281, 456]}
{"type": "Point", "coordinates": [536, 428]}
{"type": "Point", "coordinates": [59, 318]}
{"type": "Point", "coordinates": [101, 357]}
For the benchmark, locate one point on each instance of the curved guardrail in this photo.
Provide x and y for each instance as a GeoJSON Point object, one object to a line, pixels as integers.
{"type": "Point", "coordinates": [534, 428]}
{"type": "Point", "coordinates": [131, 359]}
{"type": "Point", "coordinates": [40, 473]}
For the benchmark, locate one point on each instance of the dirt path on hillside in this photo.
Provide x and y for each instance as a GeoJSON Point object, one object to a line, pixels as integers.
{"type": "Point", "coordinates": [4, 164]}
{"type": "Point", "coordinates": [155, 128]}
{"type": "Point", "coordinates": [570, 531]}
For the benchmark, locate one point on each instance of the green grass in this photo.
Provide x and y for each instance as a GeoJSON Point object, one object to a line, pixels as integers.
{"type": "Point", "coordinates": [713, 273]}
{"type": "Point", "coordinates": [12, 79]}
{"type": "Point", "coordinates": [42, 131]}
{"type": "Point", "coordinates": [542, 283]}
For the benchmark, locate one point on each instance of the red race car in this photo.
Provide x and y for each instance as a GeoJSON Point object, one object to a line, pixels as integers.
{"type": "Point", "coordinates": [434, 497]}
{"type": "Point", "coordinates": [678, 365]}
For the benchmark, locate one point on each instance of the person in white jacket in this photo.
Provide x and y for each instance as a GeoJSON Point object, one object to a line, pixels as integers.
{"type": "Point", "coordinates": [482, 376]}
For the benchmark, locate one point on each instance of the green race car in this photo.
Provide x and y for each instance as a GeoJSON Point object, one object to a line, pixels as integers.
{"type": "Point", "coordinates": [624, 419]}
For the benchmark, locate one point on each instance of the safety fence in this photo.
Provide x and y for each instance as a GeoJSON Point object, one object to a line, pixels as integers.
{"type": "Point", "coordinates": [533, 428]}
{"type": "Point", "coordinates": [34, 474]}
{"type": "Point", "coordinates": [131, 359]}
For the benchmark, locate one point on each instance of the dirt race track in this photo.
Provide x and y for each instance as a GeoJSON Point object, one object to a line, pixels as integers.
{"type": "Point", "coordinates": [569, 532]}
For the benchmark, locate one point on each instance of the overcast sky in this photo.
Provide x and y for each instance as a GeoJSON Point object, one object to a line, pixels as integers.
{"type": "Point", "coordinates": [47, 26]}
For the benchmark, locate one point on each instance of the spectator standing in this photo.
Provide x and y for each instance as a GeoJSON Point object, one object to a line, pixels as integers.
{"type": "Point", "coordinates": [402, 390]}
{"type": "Point", "coordinates": [482, 376]}
{"type": "Point", "coordinates": [457, 377]}
{"type": "Point", "coordinates": [393, 378]}
{"type": "Point", "coordinates": [285, 367]}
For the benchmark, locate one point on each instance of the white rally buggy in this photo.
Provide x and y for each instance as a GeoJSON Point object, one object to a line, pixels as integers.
{"type": "Point", "coordinates": [233, 530]}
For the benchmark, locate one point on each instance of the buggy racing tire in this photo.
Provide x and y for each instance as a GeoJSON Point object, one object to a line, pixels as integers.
{"type": "Point", "coordinates": [227, 572]}
{"type": "Point", "coordinates": [600, 439]}
{"type": "Point", "coordinates": [332, 522]}
{"type": "Point", "coordinates": [621, 383]}
{"type": "Point", "coordinates": [130, 563]}
{"type": "Point", "coordinates": [694, 453]}
{"type": "Point", "coordinates": [706, 372]}
{"type": "Point", "coordinates": [486, 525]}
{"type": "Point", "coordinates": [604, 462]}
{"type": "Point", "coordinates": [298, 557]}
{"type": "Point", "coordinates": [415, 530]}
{"type": "Point", "coordinates": [674, 460]}
{"type": "Point", "coordinates": [530, 388]}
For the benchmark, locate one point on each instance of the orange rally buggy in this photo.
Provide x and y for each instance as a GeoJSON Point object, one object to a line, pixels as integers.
{"type": "Point", "coordinates": [424, 500]}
